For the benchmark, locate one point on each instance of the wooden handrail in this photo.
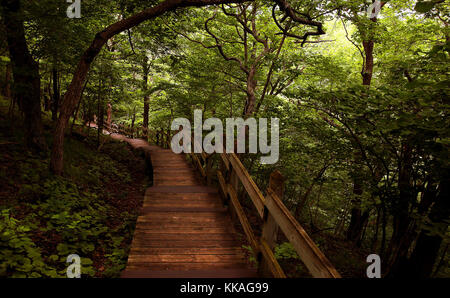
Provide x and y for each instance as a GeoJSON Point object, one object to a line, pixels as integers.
{"type": "Point", "coordinates": [310, 254]}
{"type": "Point", "coordinates": [273, 213]}
{"type": "Point", "coordinates": [250, 186]}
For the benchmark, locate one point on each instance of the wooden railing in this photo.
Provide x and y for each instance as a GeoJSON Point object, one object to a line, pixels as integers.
{"type": "Point", "coordinates": [231, 176]}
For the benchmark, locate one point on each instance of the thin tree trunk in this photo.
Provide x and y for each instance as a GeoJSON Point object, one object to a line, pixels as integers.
{"type": "Point", "coordinates": [145, 68]}
{"type": "Point", "coordinates": [7, 91]}
{"type": "Point", "coordinates": [251, 93]}
{"type": "Point", "coordinates": [100, 112]}
{"type": "Point", "coordinates": [55, 102]}
{"type": "Point", "coordinates": [78, 107]}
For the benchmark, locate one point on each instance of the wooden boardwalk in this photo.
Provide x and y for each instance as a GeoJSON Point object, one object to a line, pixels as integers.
{"type": "Point", "coordinates": [183, 230]}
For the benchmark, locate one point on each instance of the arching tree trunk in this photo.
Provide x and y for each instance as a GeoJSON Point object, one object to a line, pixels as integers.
{"type": "Point", "coordinates": [73, 93]}
{"type": "Point", "coordinates": [25, 70]}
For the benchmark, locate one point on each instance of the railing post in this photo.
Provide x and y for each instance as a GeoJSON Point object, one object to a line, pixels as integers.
{"type": "Point", "coordinates": [270, 227]}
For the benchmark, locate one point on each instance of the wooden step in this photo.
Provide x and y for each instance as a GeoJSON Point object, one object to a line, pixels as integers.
{"type": "Point", "coordinates": [185, 266]}
{"type": "Point", "coordinates": [187, 251]}
{"type": "Point", "coordinates": [144, 235]}
{"type": "Point", "coordinates": [183, 243]}
{"type": "Point", "coordinates": [181, 189]}
{"type": "Point", "coordinates": [218, 273]}
{"type": "Point", "coordinates": [177, 210]}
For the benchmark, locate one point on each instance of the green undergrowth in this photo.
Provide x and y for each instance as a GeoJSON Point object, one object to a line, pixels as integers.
{"type": "Point", "coordinates": [45, 218]}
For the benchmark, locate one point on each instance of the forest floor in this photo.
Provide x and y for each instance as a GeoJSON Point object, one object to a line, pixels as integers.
{"type": "Point", "coordinates": [91, 211]}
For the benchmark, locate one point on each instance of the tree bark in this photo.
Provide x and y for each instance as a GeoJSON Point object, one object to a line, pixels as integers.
{"type": "Point", "coordinates": [251, 94]}
{"type": "Point", "coordinates": [367, 72]}
{"type": "Point", "coordinates": [145, 68]}
{"type": "Point", "coordinates": [25, 70]}
{"type": "Point", "coordinates": [425, 253]}
{"type": "Point", "coordinates": [7, 91]}
{"type": "Point", "coordinates": [55, 102]}
{"type": "Point", "coordinates": [72, 95]}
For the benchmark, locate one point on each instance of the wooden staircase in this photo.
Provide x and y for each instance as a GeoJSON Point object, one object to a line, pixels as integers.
{"type": "Point", "coordinates": [183, 229]}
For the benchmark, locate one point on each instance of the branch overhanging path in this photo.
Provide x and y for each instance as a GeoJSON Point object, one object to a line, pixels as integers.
{"type": "Point", "coordinates": [73, 93]}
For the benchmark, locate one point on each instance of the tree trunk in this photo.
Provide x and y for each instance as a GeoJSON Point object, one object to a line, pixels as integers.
{"type": "Point", "coordinates": [367, 72]}
{"type": "Point", "coordinates": [109, 117]}
{"type": "Point", "coordinates": [146, 69]}
{"type": "Point", "coordinates": [55, 102]}
{"type": "Point", "coordinates": [251, 96]}
{"type": "Point", "coordinates": [100, 113]}
{"type": "Point", "coordinates": [425, 253]}
{"type": "Point", "coordinates": [7, 91]}
{"type": "Point", "coordinates": [25, 73]}
{"type": "Point", "coordinates": [358, 218]}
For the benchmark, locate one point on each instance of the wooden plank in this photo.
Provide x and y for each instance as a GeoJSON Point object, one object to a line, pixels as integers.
{"type": "Point", "coordinates": [184, 243]}
{"type": "Point", "coordinates": [185, 203]}
{"type": "Point", "coordinates": [312, 257]}
{"type": "Point", "coordinates": [268, 255]}
{"type": "Point", "coordinates": [150, 236]}
{"type": "Point", "coordinates": [180, 189]}
{"type": "Point", "coordinates": [179, 266]}
{"type": "Point", "coordinates": [186, 258]}
{"type": "Point", "coordinates": [182, 229]}
{"type": "Point", "coordinates": [188, 251]}
{"type": "Point", "coordinates": [252, 189]}
{"type": "Point", "coordinates": [187, 216]}
{"type": "Point", "coordinates": [243, 220]}
{"type": "Point", "coordinates": [184, 224]}
{"type": "Point", "coordinates": [217, 273]}
{"type": "Point", "coordinates": [195, 210]}
{"type": "Point", "coordinates": [270, 226]}
{"type": "Point", "coordinates": [205, 196]}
